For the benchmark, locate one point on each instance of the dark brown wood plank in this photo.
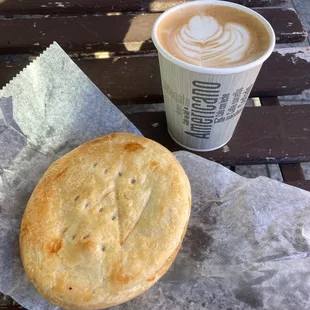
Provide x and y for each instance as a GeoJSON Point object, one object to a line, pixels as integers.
{"type": "Point", "coordinates": [77, 33]}
{"type": "Point", "coordinates": [264, 135]}
{"type": "Point", "coordinates": [136, 79]}
{"type": "Point", "coordinates": [270, 101]}
{"type": "Point", "coordinates": [285, 23]}
{"type": "Point", "coordinates": [70, 6]}
{"type": "Point", "coordinates": [99, 31]}
{"type": "Point", "coordinates": [257, 3]}
{"type": "Point", "coordinates": [98, 6]}
{"type": "Point", "coordinates": [290, 172]}
{"type": "Point", "coordinates": [162, 5]}
{"type": "Point", "coordinates": [301, 184]}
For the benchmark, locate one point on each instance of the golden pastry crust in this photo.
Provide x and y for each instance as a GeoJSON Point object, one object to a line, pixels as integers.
{"type": "Point", "coordinates": [105, 222]}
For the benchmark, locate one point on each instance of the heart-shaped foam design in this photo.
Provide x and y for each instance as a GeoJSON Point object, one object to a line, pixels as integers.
{"type": "Point", "coordinates": [206, 42]}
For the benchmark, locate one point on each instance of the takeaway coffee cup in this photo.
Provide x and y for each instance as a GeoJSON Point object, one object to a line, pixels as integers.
{"type": "Point", "coordinates": [210, 53]}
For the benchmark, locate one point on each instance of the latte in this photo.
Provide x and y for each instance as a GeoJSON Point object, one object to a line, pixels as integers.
{"type": "Point", "coordinates": [213, 36]}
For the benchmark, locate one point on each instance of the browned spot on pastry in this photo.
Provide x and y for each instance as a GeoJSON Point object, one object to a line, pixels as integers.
{"type": "Point", "coordinates": [60, 174]}
{"type": "Point", "coordinates": [154, 164]}
{"type": "Point", "coordinates": [54, 246]}
{"type": "Point", "coordinates": [87, 245]}
{"type": "Point", "coordinates": [87, 297]}
{"type": "Point", "coordinates": [118, 276]}
{"type": "Point", "coordinates": [112, 135]}
{"type": "Point", "coordinates": [162, 206]}
{"type": "Point", "coordinates": [25, 228]}
{"type": "Point", "coordinates": [151, 279]}
{"type": "Point", "coordinates": [133, 147]}
{"type": "Point", "coordinates": [60, 282]}
{"type": "Point", "coordinates": [123, 278]}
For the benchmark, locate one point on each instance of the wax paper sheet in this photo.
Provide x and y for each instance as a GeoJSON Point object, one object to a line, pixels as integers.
{"type": "Point", "coordinates": [247, 244]}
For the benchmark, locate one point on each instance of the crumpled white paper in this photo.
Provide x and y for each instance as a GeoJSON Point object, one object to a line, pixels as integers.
{"type": "Point", "coordinates": [247, 244]}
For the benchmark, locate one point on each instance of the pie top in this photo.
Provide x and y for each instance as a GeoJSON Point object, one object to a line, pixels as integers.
{"type": "Point", "coordinates": [105, 222]}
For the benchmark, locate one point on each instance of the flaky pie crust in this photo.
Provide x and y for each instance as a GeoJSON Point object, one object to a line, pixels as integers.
{"type": "Point", "coordinates": [105, 222]}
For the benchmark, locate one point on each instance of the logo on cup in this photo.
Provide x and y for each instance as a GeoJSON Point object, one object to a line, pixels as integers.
{"type": "Point", "coordinates": [204, 100]}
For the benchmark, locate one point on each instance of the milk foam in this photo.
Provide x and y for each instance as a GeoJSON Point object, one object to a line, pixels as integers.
{"type": "Point", "coordinates": [206, 42]}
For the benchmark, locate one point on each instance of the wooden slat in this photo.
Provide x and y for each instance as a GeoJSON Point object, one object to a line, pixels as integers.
{"type": "Point", "coordinates": [99, 31]}
{"type": "Point", "coordinates": [136, 79]}
{"type": "Point", "coordinates": [301, 184]}
{"type": "Point", "coordinates": [99, 6]}
{"type": "Point", "coordinates": [162, 5]}
{"type": "Point", "coordinates": [270, 101]}
{"type": "Point", "coordinates": [285, 23]}
{"type": "Point", "coordinates": [264, 135]}
{"type": "Point", "coordinates": [257, 3]}
{"type": "Point", "coordinates": [290, 172]}
{"type": "Point", "coordinates": [70, 6]}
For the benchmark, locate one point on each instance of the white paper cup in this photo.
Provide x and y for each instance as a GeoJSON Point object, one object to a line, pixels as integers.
{"type": "Point", "coordinates": [209, 126]}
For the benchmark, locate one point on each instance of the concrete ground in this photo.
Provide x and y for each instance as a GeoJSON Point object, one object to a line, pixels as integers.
{"type": "Point", "coordinates": [273, 171]}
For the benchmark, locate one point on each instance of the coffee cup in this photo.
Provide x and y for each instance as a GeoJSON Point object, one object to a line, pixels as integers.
{"type": "Point", "coordinates": [210, 53]}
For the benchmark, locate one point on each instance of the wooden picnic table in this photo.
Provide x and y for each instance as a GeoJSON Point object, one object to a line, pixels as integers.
{"type": "Point", "coordinates": [110, 41]}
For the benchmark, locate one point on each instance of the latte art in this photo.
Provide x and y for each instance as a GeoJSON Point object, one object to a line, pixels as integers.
{"type": "Point", "coordinates": [205, 41]}
{"type": "Point", "coordinates": [213, 35]}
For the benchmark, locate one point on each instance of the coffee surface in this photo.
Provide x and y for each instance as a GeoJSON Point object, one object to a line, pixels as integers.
{"type": "Point", "coordinates": [213, 36]}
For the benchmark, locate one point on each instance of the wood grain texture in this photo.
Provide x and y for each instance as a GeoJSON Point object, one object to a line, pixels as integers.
{"type": "Point", "coordinates": [257, 3]}
{"type": "Point", "coordinates": [290, 172]}
{"type": "Point", "coordinates": [98, 32]}
{"type": "Point", "coordinates": [305, 184]}
{"type": "Point", "coordinates": [136, 79]}
{"type": "Point", "coordinates": [161, 5]}
{"type": "Point", "coordinates": [265, 135]}
{"type": "Point", "coordinates": [99, 6]}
